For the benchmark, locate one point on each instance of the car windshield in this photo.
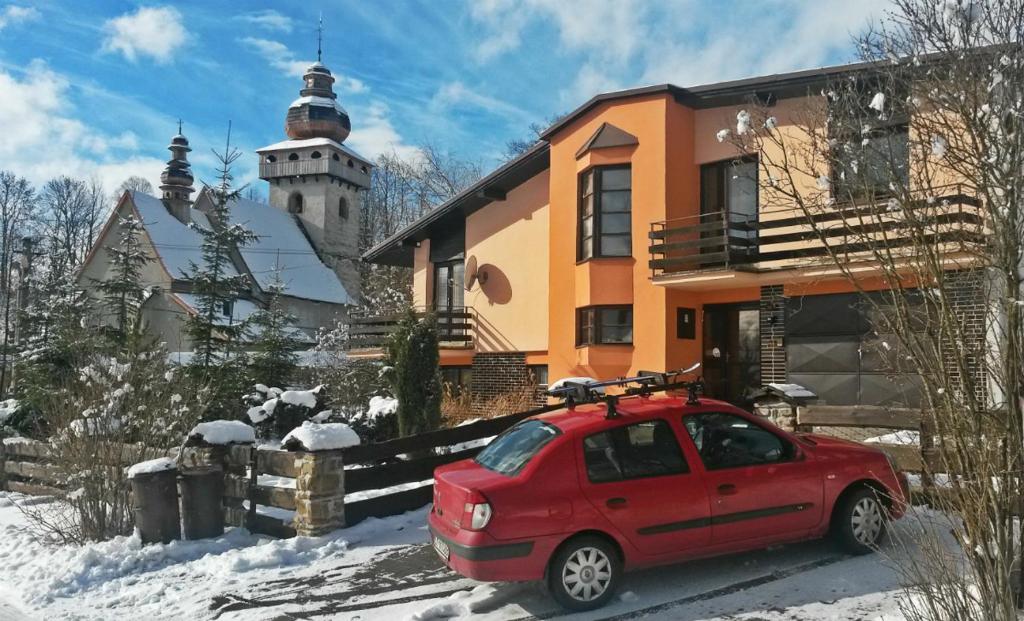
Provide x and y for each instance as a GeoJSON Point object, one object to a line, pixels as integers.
{"type": "Point", "coordinates": [511, 451]}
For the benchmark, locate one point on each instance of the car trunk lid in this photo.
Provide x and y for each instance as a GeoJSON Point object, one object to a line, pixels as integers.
{"type": "Point", "coordinates": [456, 484]}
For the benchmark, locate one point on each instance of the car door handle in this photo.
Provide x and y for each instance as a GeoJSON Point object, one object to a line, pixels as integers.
{"type": "Point", "coordinates": [615, 503]}
{"type": "Point", "coordinates": [726, 489]}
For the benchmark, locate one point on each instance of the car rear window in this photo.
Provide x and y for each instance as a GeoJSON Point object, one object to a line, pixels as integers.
{"type": "Point", "coordinates": [511, 451]}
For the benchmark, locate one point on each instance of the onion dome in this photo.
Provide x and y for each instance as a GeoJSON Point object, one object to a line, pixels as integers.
{"type": "Point", "coordinates": [177, 175]}
{"type": "Point", "coordinates": [317, 113]}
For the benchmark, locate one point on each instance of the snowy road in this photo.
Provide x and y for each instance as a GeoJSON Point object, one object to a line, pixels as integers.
{"type": "Point", "coordinates": [383, 569]}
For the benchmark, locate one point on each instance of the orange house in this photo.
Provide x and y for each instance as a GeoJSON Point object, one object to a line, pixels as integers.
{"type": "Point", "coordinates": [629, 238]}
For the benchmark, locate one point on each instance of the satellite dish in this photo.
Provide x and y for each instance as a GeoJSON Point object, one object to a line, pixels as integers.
{"type": "Point", "coordinates": [470, 273]}
{"type": "Point", "coordinates": [474, 274]}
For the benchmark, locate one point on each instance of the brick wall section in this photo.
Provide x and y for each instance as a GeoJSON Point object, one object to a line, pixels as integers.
{"type": "Point", "coordinates": [965, 292]}
{"type": "Point", "coordinates": [495, 374]}
{"type": "Point", "coordinates": [773, 332]}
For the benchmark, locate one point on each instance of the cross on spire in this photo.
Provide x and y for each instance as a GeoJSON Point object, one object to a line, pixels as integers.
{"type": "Point", "coordinates": [179, 127]}
{"type": "Point", "coordinates": [320, 37]}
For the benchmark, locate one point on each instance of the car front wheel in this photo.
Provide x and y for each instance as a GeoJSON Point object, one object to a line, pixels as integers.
{"type": "Point", "coordinates": [860, 521]}
{"type": "Point", "coordinates": [585, 573]}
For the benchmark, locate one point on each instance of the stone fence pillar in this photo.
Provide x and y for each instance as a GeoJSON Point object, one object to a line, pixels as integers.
{"type": "Point", "coordinates": [319, 493]}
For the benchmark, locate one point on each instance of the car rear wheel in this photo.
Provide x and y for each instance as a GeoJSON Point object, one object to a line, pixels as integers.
{"type": "Point", "coordinates": [584, 574]}
{"type": "Point", "coordinates": [860, 521]}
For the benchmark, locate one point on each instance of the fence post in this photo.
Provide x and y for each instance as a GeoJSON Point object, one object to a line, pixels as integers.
{"type": "Point", "coordinates": [319, 493]}
{"type": "Point", "coordinates": [3, 466]}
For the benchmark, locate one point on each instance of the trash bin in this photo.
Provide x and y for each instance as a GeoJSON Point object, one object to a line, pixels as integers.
{"type": "Point", "coordinates": [201, 503]}
{"type": "Point", "coordinates": [155, 506]}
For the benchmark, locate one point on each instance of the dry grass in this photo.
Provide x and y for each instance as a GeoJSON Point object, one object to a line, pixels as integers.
{"type": "Point", "coordinates": [457, 407]}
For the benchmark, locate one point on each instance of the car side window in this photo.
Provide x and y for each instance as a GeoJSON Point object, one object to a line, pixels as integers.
{"type": "Point", "coordinates": [633, 451]}
{"type": "Point", "coordinates": [730, 441]}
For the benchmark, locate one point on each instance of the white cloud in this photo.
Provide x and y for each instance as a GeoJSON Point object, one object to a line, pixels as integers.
{"type": "Point", "coordinates": [156, 32]}
{"type": "Point", "coordinates": [42, 139]}
{"type": "Point", "coordinates": [373, 133]}
{"type": "Point", "coordinates": [268, 20]}
{"type": "Point", "coordinates": [14, 14]}
{"type": "Point", "coordinates": [456, 95]}
{"type": "Point", "coordinates": [283, 59]}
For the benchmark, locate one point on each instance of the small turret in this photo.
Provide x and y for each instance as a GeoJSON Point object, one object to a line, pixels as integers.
{"type": "Point", "coordinates": [176, 181]}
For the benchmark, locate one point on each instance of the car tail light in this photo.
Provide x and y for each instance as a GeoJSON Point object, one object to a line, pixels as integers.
{"type": "Point", "coordinates": [477, 512]}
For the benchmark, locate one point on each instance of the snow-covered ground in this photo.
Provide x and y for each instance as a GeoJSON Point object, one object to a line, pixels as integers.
{"type": "Point", "coordinates": [383, 569]}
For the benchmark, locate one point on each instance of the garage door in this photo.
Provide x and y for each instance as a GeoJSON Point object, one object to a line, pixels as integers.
{"type": "Point", "coordinates": [831, 349]}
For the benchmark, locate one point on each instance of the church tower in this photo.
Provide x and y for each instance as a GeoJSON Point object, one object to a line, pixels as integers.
{"type": "Point", "coordinates": [176, 179]}
{"type": "Point", "coordinates": [318, 179]}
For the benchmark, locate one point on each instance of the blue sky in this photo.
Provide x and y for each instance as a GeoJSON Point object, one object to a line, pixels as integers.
{"type": "Point", "coordinates": [96, 87]}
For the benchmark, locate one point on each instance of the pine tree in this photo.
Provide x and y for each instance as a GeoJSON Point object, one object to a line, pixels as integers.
{"type": "Point", "coordinates": [272, 359]}
{"type": "Point", "coordinates": [415, 374]}
{"type": "Point", "coordinates": [215, 284]}
{"type": "Point", "coordinates": [123, 293]}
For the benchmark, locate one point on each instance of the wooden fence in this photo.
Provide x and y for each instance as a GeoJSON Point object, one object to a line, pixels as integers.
{"type": "Point", "coordinates": [908, 457]}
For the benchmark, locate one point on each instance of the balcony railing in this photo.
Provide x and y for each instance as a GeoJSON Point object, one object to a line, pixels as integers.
{"type": "Point", "coordinates": [321, 166]}
{"type": "Point", "coordinates": [788, 238]}
{"type": "Point", "coordinates": [454, 328]}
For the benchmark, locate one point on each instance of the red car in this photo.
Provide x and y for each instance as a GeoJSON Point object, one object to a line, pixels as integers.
{"type": "Point", "coordinates": [575, 497]}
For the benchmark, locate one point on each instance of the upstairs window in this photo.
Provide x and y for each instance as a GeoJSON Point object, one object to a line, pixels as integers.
{"type": "Point", "coordinates": [315, 155]}
{"type": "Point", "coordinates": [604, 325]}
{"type": "Point", "coordinates": [605, 205]}
{"type": "Point", "coordinates": [295, 203]}
{"type": "Point", "coordinates": [871, 163]}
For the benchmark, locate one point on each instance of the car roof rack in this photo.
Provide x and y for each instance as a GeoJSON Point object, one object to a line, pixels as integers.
{"type": "Point", "coordinates": [648, 382]}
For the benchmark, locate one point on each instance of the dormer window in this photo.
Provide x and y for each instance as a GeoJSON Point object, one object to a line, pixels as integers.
{"type": "Point", "coordinates": [271, 158]}
{"type": "Point", "coordinates": [315, 155]}
{"type": "Point", "coordinates": [292, 157]}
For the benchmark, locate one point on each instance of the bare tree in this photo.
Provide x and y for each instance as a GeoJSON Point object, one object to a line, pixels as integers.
{"type": "Point", "coordinates": [909, 173]}
{"type": "Point", "coordinates": [17, 203]}
{"type": "Point", "coordinates": [72, 210]}
{"type": "Point", "coordinates": [134, 183]}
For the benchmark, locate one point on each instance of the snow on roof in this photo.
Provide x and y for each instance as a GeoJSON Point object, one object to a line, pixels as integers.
{"type": "Point", "coordinates": [283, 246]}
{"type": "Point", "coordinates": [177, 245]}
{"type": "Point", "coordinates": [323, 102]}
{"type": "Point", "coordinates": [795, 391]}
{"type": "Point", "coordinates": [311, 142]}
{"type": "Point", "coordinates": [224, 432]}
{"type": "Point", "coordinates": [320, 437]}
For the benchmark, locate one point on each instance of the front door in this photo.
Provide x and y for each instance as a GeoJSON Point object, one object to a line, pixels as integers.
{"type": "Point", "coordinates": [732, 351]}
{"type": "Point", "coordinates": [759, 483]}
{"type": "Point", "coordinates": [637, 477]}
{"type": "Point", "coordinates": [449, 284]}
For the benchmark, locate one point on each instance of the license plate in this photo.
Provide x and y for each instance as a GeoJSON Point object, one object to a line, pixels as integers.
{"type": "Point", "coordinates": [442, 549]}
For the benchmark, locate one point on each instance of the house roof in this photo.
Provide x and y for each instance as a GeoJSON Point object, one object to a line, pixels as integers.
{"type": "Point", "coordinates": [398, 249]}
{"type": "Point", "coordinates": [282, 246]}
{"type": "Point", "coordinates": [177, 245]}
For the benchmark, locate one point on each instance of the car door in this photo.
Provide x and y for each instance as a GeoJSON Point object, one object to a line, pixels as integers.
{"type": "Point", "coordinates": [761, 485]}
{"type": "Point", "coordinates": [636, 476]}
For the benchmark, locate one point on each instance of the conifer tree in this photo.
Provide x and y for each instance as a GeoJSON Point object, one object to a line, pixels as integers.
{"type": "Point", "coordinates": [272, 358]}
{"type": "Point", "coordinates": [216, 284]}
{"type": "Point", "coordinates": [415, 374]}
{"type": "Point", "coordinates": [123, 293]}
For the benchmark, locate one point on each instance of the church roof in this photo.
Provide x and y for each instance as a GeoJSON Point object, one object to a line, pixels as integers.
{"type": "Point", "coordinates": [283, 246]}
{"type": "Point", "coordinates": [177, 244]}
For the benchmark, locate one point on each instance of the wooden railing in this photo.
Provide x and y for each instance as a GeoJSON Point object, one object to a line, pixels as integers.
{"type": "Point", "coordinates": [786, 238]}
{"type": "Point", "coordinates": [322, 166]}
{"type": "Point", "coordinates": [908, 457]}
{"type": "Point", "coordinates": [454, 328]}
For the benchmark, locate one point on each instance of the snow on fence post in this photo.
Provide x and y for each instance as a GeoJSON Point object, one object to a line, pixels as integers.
{"type": "Point", "coordinates": [202, 463]}
{"type": "Point", "coordinates": [319, 493]}
{"type": "Point", "coordinates": [320, 483]}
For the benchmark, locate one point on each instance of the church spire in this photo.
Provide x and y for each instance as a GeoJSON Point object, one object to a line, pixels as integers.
{"type": "Point", "coordinates": [176, 180]}
{"type": "Point", "coordinates": [317, 113]}
{"type": "Point", "coordinates": [320, 38]}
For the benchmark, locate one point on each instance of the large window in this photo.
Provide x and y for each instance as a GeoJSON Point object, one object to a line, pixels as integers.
{"type": "Point", "coordinates": [449, 285]}
{"type": "Point", "coordinates": [642, 450]}
{"type": "Point", "coordinates": [458, 379]}
{"type": "Point", "coordinates": [730, 441]}
{"type": "Point", "coordinates": [597, 325]}
{"type": "Point", "coordinates": [604, 213]}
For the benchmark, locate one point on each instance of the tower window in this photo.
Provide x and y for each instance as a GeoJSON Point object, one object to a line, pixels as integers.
{"type": "Point", "coordinates": [334, 156]}
{"type": "Point", "coordinates": [363, 168]}
{"type": "Point", "coordinates": [271, 158]}
{"type": "Point", "coordinates": [315, 155]}
{"type": "Point", "coordinates": [292, 157]}
{"type": "Point", "coordinates": [343, 208]}
{"type": "Point", "coordinates": [295, 203]}
{"type": "Point", "coordinates": [351, 164]}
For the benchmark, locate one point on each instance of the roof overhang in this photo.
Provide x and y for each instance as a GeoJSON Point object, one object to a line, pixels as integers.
{"type": "Point", "coordinates": [398, 249]}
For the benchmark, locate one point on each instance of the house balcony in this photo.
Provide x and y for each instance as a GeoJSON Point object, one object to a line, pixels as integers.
{"type": "Point", "coordinates": [370, 333]}
{"type": "Point", "coordinates": [735, 249]}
